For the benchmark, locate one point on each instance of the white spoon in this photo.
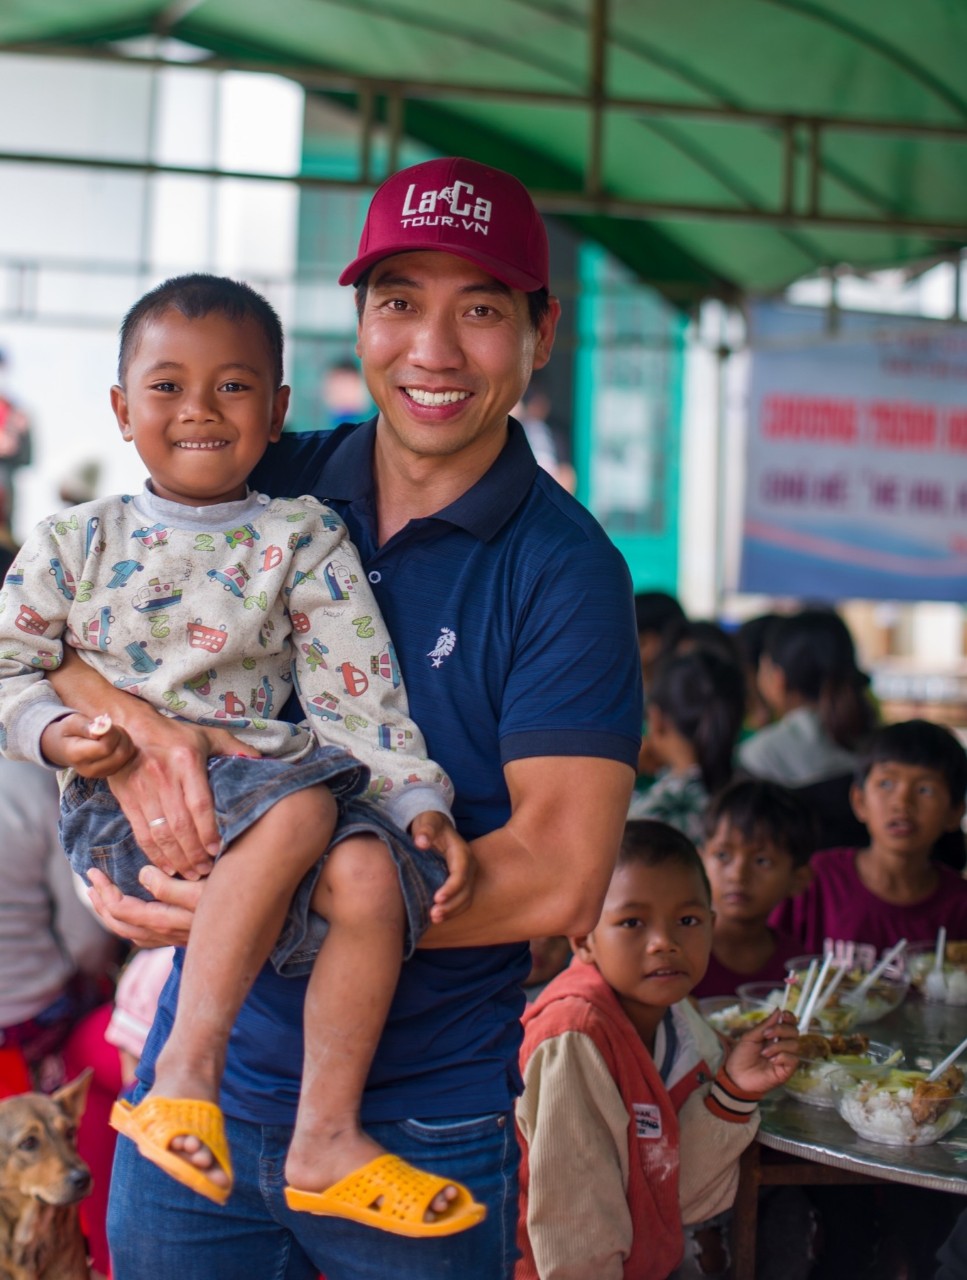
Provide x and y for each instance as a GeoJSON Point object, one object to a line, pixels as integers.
{"type": "Point", "coordinates": [950, 1059]}
{"type": "Point", "coordinates": [935, 984]}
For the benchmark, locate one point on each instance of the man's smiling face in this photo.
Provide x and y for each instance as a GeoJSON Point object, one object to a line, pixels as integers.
{"type": "Point", "coordinates": [447, 350]}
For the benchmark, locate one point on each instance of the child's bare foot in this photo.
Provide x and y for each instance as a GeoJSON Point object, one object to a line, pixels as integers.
{"type": "Point", "coordinates": [319, 1159]}
{"type": "Point", "coordinates": [182, 1086]}
{"type": "Point", "coordinates": [195, 1153]}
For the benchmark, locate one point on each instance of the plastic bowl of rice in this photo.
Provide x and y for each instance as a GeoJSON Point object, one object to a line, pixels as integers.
{"type": "Point", "coordinates": [895, 1110]}
{"type": "Point", "coordinates": [844, 1011]}
{"type": "Point", "coordinates": [727, 1015]}
{"type": "Point", "coordinates": [766, 996]}
{"type": "Point", "coordinates": [952, 987]}
{"type": "Point", "coordinates": [812, 1081]}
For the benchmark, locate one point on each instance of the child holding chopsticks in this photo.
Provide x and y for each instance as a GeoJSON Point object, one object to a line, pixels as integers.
{"type": "Point", "coordinates": [632, 1120]}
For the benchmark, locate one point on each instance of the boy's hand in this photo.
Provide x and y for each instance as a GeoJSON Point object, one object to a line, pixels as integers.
{"type": "Point", "coordinates": [95, 748]}
{"type": "Point", "coordinates": [432, 830]}
{"type": "Point", "coordinates": [765, 1057]}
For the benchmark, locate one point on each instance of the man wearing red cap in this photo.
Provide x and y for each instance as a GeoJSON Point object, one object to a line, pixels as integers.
{"type": "Point", "coordinates": [513, 624]}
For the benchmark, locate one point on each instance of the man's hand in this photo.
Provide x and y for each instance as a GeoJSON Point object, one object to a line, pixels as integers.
{"type": "Point", "coordinates": [94, 748]}
{"type": "Point", "coordinates": [168, 778]}
{"type": "Point", "coordinates": [432, 830]}
{"type": "Point", "coordinates": [163, 923]}
{"type": "Point", "coordinates": [765, 1057]}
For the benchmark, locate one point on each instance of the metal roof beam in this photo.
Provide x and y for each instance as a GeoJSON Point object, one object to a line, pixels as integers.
{"type": "Point", "coordinates": [312, 78]}
{"type": "Point", "coordinates": [550, 201]}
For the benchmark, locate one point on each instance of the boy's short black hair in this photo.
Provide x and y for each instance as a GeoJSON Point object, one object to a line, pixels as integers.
{"type": "Point", "coordinates": [922, 743]}
{"type": "Point", "coordinates": [650, 843]}
{"type": "Point", "coordinates": [195, 296]}
{"type": "Point", "coordinates": [760, 811]}
{"type": "Point", "coordinates": [656, 610]}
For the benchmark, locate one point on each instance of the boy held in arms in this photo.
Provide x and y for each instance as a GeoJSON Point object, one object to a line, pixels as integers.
{"type": "Point", "coordinates": [909, 789]}
{"type": "Point", "coordinates": [632, 1123]}
{"type": "Point", "coordinates": [211, 601]}
{"type": "Point", "coordinates": [758, 842]}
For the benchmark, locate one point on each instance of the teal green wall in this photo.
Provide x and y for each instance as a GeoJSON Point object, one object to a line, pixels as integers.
{"type": "Point", "coordinates": [627, 415]}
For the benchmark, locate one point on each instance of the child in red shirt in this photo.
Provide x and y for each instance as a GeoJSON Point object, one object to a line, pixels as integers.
{"type": "Point", "coordinates": [758, 842]}
{"type": "Point", "coordinates": [909, 790]}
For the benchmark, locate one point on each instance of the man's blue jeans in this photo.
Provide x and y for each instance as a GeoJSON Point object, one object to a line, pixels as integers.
{"type": "Point", "coordinates": [160, 1230]}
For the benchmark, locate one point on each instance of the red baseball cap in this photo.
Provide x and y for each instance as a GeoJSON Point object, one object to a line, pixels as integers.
{"type": "Point", "coordinates": [457, 206]}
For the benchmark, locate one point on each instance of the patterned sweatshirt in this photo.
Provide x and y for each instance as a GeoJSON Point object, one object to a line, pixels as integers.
{"type": "Point", "coordinates": [210, 614]}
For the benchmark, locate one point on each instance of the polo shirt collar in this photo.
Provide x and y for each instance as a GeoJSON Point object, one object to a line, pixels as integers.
{"type": "Point", "coordinates": [482, 511]}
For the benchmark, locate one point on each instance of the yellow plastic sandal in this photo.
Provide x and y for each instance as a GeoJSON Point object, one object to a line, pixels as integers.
{"type": "Point", "coordinates": [155, 1122]}
{"type": "Point", "coordinates": [404, 1194]}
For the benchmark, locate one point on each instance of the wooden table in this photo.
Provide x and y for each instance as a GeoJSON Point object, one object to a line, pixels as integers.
{"type": "Point", "coordinates": [798, 1145]}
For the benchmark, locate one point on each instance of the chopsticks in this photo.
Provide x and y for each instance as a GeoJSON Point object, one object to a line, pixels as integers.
{"type": "Point", "coordinates": [934, 984]}
{"type": "Point", "coordinates": [805, 1016]}
{"type": "Point", "coordinates": [824, 1000]}
{"type": "Point", "coordinates": [807, 987]}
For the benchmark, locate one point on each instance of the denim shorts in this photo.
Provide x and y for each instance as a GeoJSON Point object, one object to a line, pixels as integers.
{"type": "Point", "coordinates": [95, 833]}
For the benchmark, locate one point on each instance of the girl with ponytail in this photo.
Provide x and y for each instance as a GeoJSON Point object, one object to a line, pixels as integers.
{"type": "Point", "coordinates": [809, 677]}
{"type": "Point", "coordinates": [695, 712]}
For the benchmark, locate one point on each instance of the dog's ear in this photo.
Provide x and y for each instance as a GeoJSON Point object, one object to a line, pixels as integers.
{"type": "Point", "coordinates": [73, 1097]}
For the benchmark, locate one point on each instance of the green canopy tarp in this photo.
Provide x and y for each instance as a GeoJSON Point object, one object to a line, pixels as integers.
{"type": "Point", "coordinates": [712, 145]}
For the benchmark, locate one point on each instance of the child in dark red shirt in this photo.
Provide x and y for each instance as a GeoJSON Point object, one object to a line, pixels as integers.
{"type": "Point", "coordinates": [909, 789]}
{"type": "Point", "coordinates": [758, 841]}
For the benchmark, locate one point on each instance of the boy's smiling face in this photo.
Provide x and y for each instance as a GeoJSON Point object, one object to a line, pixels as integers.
{"type": "Point", "coordinates": [653, 941]}
{"type": "Point", "coordinates": [906, 808]}
{"type": "Point", "coordinates": [200, 404]}
{"type": "Point", "coordinates": [749, 877]}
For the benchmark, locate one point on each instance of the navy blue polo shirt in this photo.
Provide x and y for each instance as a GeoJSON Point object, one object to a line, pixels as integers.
{"type": "Point", "coordinates": [512, 617]}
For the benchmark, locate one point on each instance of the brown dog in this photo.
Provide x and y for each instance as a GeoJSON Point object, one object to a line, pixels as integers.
{"type": "Point", "coordinates": [42, 1179]}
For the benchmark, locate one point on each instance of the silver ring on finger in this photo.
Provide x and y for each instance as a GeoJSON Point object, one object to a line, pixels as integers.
{"type": "Point", "coordinates": [158, 822]}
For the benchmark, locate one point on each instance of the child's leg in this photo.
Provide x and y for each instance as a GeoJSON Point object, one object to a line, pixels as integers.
{"type": "Point", "coordinates": [238, 920]}
{"type": "Point", "coordinates": [348, 998]}
{"type": "Point", "coordinates": [349, 995]}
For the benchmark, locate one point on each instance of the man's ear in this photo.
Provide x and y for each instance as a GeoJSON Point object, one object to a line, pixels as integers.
{"type": "Point", "coordinates": [582, 945]}
{"type": "Point", "coordinates": [956, 817]}
{"type": "Point", "coordinates": [119, 403]}
{"type": "Point", "coordinates": [546, 330]}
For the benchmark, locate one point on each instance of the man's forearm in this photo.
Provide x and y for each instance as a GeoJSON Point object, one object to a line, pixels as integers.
{"type": "Point", "coordinates": [546, 872]}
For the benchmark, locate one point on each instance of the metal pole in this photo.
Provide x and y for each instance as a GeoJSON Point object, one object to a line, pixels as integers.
{"type": "Point", "coordinates": [597, 44]}
{"type": "Point", "coordinates": [722, 353]}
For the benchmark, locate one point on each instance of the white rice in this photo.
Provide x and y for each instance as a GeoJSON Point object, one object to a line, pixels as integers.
{"type": "Point", "coordinates": [885, 1117]}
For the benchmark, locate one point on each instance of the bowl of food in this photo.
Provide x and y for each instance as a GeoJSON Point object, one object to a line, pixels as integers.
{"type": "Point", "coordinates": [903, 1108]}
{"type": "Point", "coordinates": [846, 1007]}
{"type": "Point", "coordinates": [769, 995]}
{"type": "Point", "coordinates": [727, 1015]}
{"type": "Point", "coordinates": [887, 993]}
{"type": "Point", "coordinates": [821, 1058]}
{"type": "Point", "coordinates": [946, 985]}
